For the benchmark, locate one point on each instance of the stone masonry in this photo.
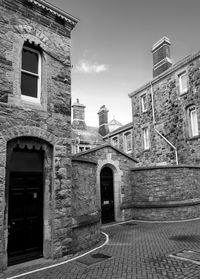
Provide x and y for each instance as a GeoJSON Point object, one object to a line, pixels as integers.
{"type": "Point", "coordinates": [121, 164]}
{"type": "Point", "coordinates": [47, 122]}
{"type": "Point", "coordinates": [171, 117]}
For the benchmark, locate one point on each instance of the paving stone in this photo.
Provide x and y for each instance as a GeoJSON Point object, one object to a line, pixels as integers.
{"type": "Point", "coordinates": [137, 252]}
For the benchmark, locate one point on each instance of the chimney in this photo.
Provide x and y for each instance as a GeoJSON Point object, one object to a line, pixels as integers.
{"type": "Point", "coordinates": [78, 116]}
{"type": "Point", "coordinates": [103, 121]}
{"type": "Point", "coordinates": [161, 56]}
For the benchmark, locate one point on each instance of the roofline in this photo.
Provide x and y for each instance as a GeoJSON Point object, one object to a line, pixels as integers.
{"type": "Point", "coordinates": [172, 69]}
{"type": "Point", "coordinates": [100, 147]}
{"type": "Point", "coordinates": [56, 11]}
{"type": "Point", "coordinates": [121, 129]}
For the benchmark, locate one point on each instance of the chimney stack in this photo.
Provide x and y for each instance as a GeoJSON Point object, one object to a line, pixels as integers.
{"type": "Point", "coordinates": [103, 121]}
{"type": "Point", "coordinates": [78, 116]}
{"type": "Point", "coordinates": [161, 56]}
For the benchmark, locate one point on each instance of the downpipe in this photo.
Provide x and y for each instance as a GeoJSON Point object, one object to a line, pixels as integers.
{"type": "Point", "coordinates": [154, 126]}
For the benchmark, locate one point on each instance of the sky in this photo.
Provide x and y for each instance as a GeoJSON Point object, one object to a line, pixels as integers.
{"type": "Point", "coordinates": [111, 47]}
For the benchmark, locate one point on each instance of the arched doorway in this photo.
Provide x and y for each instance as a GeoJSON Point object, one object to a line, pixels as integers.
{"type": "Point", "coordinates": [107, 195]}
{"type": "Point", "coordinates": [25, 166]}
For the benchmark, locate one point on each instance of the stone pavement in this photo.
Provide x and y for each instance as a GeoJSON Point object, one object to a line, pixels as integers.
{"type": "Point", "coordinates": [137, 250]}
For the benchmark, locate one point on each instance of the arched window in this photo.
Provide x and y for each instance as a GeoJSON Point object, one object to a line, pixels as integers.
{"type": "Point", "coordinates": [192, 121]}
{"type": "Point", "coordinates": [31, 74]}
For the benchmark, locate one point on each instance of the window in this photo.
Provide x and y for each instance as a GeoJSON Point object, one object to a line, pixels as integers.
{"type": "Point", "coordinates": [193, 121]}
{"type": "Point", "coordinates": [144, 102]}
{"type": "Point", "coordinates": [115, 141]}
{"type": "Point", "coordinates": [183, 83]}
{"type": "Point", "coordinates": [127, 142]}
{"type": "Point", "coordinates": [146, 141]}
{"type": "Point", "coordinates": [30, 74]}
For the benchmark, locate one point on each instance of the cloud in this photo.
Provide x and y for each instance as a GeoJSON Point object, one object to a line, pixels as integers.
{"type": "Point", "coordinates": [85, 66]}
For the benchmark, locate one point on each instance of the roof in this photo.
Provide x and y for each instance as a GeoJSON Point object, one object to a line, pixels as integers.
{"type": "Point", "coordinates": [172, 69]}
{"type": "Point", "coordinates": [90, 135]}
{"type": "Point", "coordinates": [104, 146]}
{"type": "Point", "coordinates": [120, 129]}
{"type": "Point", "coordinates": [113, 125]}
{"type": "Point", "coordinates": [56, 11]}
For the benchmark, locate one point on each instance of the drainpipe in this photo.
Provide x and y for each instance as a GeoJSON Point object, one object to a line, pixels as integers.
{"type": "Point", "coordinates": [154, 125]}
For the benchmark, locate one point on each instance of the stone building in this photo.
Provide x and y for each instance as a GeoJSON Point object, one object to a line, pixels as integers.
{"type": "Point", "coordinates": [166, 111]}
{"type": "Point", "coordinates": [84, 137]}
{"type": "Point", "coordinates": [38, 212]}
{"type": "Point", "coordinates": [114, 161]}
{"type": "Point", "coordinates": [166, 115]}
{"type": "Point", "coordinates": [121, 138]}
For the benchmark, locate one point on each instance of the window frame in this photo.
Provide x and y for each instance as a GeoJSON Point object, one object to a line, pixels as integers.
{"type": "Point", "coordinates": [125, 135]}
{"type": "Point", "coordinates": [146, 138]}
{"type": "Point", "coordinates": [193, 121]}
{"type": "Point", "coordinates": [181, 89]}
{"type": "Point", "coordinates": [112, 140]}
{"type": "Point", "coordinates": [143, 103]}
{"type": "Point", "coordinates": [26, 98]}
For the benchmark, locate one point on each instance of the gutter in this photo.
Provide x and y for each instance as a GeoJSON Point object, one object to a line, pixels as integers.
{"type": "Point", "coordinates": [154, 125]}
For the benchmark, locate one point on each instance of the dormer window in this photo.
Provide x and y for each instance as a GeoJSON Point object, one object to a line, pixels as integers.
{"type": "Point", "coordinates": [31, 74]}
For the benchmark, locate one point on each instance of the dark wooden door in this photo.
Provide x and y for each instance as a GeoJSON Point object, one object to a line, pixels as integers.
{"type": "Point", "coordinates": [25, 218]}
{"type": "Point", "coordinates": [107, 195]}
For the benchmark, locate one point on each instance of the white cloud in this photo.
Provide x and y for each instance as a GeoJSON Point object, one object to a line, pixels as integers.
{"type": "Point", "coordinates": [85, 66]}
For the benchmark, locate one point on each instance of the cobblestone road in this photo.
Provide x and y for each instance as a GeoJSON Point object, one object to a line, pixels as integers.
{"type": "Point", "coordinates": [137, 251]}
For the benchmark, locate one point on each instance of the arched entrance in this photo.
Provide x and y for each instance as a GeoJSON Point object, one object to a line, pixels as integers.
{"type": "Point", "coordinates": [25, 166]}
{"type": "Point", "coordinates": [107, 195]}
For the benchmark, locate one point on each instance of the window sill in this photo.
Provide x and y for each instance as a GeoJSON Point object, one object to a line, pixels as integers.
{"type": "Point", "coordinates": [193, 138]}
{"type": "Point", "coordinates": [145, 111]}
{"type": "Point", "coordinates": [183, 93]}
{"type": "Point", "coordinates": [146, 150]}
{"type": "Point", "coordinates": [31, 105]}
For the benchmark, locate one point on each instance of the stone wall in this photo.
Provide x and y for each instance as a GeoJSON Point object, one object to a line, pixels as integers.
{"type": "Point", "coordinates": [120, 163]}
{"type": "Point", "coordinates": [48, 120]}
{"type": "Point", "coordinates": [85, 209]}
{"type": "Point", "coordinates": [170, 116]}
{"type": "Point", "coordinates": [164, 193]}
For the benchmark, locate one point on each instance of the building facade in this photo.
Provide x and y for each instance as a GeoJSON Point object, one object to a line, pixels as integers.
{"type": "Point", "coordinates": [166, 114]}
{"type": "Point", "coordinates": [35, 131]}
{"type": "Point", "coordinates": [166, 111]}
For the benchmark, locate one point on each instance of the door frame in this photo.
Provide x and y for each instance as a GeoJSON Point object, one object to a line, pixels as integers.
{"type": "Point", "coordinates": [111, 185]}
{"type": "Point", "coordinates": [117, 184]}
{"type": "Point", "coordinates": [48, 192]}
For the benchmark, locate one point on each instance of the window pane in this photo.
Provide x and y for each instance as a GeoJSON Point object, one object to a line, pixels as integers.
{"type": "Point", "coordinates": [144, 102]}
{"type": "Point", "coordinates": [194, 122]}
{"type": "Point", "coordinates": [30, 61]}
{"type": "Point", "coordinates": [146, 138]}
{"type": "Point", "coordinates": [183, 83]}
{"type": "Point", "coordinates": [128, 142]}
{"type": "Point", "coordinates": [29, 85]}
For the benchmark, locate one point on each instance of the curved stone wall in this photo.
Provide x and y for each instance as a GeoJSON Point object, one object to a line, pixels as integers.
{"type": "Point", "coordinates": [164, 193]}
